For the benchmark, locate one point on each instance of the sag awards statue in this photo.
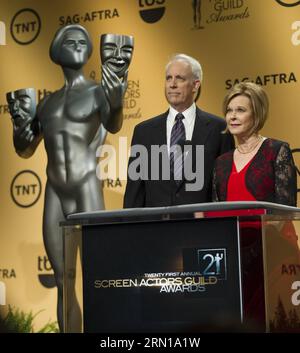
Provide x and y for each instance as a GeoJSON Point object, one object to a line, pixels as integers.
{"type": "Point", "coordinates": [197, 16]}
{"type": "Point", "coordinates": [73, 122]}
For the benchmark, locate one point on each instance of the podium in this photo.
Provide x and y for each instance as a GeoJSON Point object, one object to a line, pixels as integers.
{"type": "Point", "coordinates": [213, 267]}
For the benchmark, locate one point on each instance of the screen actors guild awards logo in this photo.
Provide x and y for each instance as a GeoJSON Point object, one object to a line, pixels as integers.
{"type": "Point", "coordinates": [218, 11]}
{"type": "Point", "coordinates": [212, 262]}
{"type": "Point", "coordinates": [197, 14]}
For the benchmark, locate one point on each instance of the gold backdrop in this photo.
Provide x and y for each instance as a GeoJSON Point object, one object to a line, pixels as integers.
{"type": "Point", "coordinates": [233, 40]}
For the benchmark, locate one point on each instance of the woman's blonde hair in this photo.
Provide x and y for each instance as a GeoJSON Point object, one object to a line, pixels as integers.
{"type": "Point", "coordinates": [259, 102]}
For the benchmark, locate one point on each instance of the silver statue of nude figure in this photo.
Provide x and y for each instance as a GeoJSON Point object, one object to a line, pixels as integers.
{"type": "Point", "coordinates": [73, 122]}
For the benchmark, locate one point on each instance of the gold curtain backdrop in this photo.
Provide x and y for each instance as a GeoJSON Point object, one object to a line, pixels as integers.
{"type": "Point", "coordinates": [233, 39]}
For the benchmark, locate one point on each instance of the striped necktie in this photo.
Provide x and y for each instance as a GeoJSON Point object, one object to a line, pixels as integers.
{"type": "Point", "coordinates": [176, 155]}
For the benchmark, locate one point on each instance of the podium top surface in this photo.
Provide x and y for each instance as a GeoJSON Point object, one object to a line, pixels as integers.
{"type": "Point", "coordinates": [199, 210]}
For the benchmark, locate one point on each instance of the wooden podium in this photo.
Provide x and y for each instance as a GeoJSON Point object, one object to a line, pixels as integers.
{"type": "Point", "coordinates": [214, 267]}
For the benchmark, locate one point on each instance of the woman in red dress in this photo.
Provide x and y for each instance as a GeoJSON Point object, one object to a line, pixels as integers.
{"type": "Point", "coordinates": [258, 169]}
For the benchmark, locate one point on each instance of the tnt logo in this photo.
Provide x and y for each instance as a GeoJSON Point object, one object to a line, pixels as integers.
{"type": "Point", "coordinates": [2, 293]}
{"type": "Point", "coordinates": [212, 262]}
{"type": "Point", "coordinates": [25, 26]}
{"type": "Point", "coordinates": [2, 33]}
{"type": "Point", "coordinates": [26, 188]}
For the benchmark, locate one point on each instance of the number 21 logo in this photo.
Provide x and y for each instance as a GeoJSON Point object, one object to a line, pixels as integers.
{"type": "Point", "coordinates": [212, 262]}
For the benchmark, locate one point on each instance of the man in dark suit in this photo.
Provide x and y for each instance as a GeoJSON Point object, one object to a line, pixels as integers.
{"type": "Point", "coordinates": [183, 124]}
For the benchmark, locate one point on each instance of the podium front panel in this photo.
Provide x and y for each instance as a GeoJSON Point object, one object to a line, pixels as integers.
{"type": "Point", "coordinates": [173, 276]}
{"type": "Point", "coordinates": [204, 267]}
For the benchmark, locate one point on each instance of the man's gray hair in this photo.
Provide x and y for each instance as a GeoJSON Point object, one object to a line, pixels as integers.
{"type": "Point", "coordinates": [194, 64]}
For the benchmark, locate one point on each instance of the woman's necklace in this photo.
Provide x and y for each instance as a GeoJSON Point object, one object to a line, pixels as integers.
{"type": "Point", "coordinates": [252, 148]}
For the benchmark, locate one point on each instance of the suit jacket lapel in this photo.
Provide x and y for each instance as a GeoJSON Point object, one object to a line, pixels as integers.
{"type": "Point", "coordinates": [201, 128]}
{"type": "Point", "coordinates": [160, 134]}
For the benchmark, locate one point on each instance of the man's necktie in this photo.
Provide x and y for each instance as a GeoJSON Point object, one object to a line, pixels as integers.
{"type": "Point", "coordinates": [176, 154]}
